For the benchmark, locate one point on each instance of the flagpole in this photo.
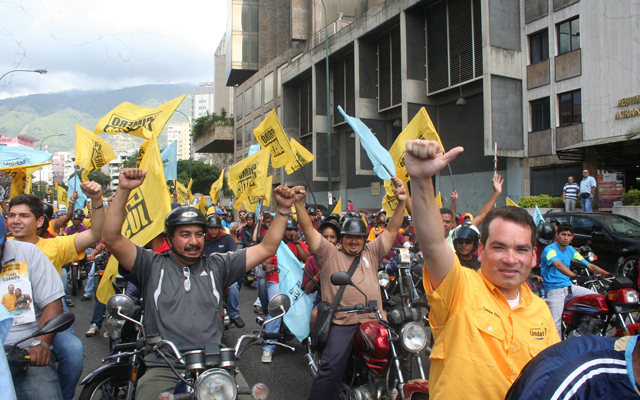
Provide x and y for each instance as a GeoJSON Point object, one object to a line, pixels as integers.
{"type": "Point", "coordinates": [308, 185]}
{"type": "Point", "coordinates": [453, 187]}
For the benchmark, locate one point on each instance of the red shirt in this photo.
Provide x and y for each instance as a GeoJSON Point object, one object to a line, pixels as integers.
{"type": "Point", "coordinates": [272, 276]}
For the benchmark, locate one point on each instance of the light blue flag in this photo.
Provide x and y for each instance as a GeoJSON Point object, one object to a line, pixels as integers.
{"type": "Point", "coordinates": [253, 149]}
{"type": "Point", "coordinates": [537, 217]}
{"type": "Point", "coordinates": [170, 161]}
{"type": "Point", "coordinates": [290, 274]}
{"type": "Point", "coordinates": [379, 156]}
{"type": "Point", "coordinates": [6, 383]}
{"type": "Point", "coordinates": [18, 156]}
{"type": "Point", "coordinates": [74, 184]}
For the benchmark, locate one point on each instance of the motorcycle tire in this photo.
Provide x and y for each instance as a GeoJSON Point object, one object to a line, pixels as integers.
{"type": "Point", "coordinates": [110, 387]}
{"type": "Point", "coordinates": [629, 269]}
{"type": "Point", "coordinates": [247, 281]}
{"type": "Point", "coordinates": [74, 280]}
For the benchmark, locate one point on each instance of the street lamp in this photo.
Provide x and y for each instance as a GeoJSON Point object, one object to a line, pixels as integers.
{"type": "Point", "coordinates": [190, 140]}
{"type": "Point", "coordinates": [38, 71]}
{"type": "Point", "coordinates": [326, 62]}
{"type": "Point", "coordinates": [42, 141]}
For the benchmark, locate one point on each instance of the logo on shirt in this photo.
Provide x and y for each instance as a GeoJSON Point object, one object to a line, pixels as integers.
{"type": "Point", "coordinates": [538, 333]}
{"type": "Point", "coordinates": [495, 314]}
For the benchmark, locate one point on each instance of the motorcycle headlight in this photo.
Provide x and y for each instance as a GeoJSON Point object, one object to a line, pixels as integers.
{"type": "Point", "coordinates": [591, 257]}
{"type": "Point", "coordinates": [383, 279]}
{"type": "Point", "coordinates": [631, 297]}
{"type": "Point", "coordinates": [413, 337]}
{"type": "Point", "coordinates": [216, 384]}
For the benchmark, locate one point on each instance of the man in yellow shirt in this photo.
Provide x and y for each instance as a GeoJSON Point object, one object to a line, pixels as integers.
{"type": "Point", "coordinates": [9, 299]}
{"type": "Point", "coordinates": [487, 325]}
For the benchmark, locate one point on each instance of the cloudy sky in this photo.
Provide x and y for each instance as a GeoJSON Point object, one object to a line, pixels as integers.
{"type": "Point", "coordinates": [107, 44]}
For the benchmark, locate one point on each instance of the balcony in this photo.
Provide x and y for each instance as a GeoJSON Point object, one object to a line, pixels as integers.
{"type": "Point", "coordinates": [217, 139]}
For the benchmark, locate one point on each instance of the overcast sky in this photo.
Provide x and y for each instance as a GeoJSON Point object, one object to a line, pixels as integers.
{"type": "Point", "coordinates": [107, 44]}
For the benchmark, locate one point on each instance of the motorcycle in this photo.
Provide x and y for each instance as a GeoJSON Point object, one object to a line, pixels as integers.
{"type": "Point", "coordinates": [19, 359]}
{"type": "Point", "coordinates": [207, 373]}
{"type": "Point", "coordinates": [399, 280]}
{"type": "Point", "coordinates": [379, 352]}
{"type": "Point", "coordinates": [249, 278]}
{"type": "Point", "coordinates": [76, 273]}
{"type": "Point", "coordinates": [601, 313]}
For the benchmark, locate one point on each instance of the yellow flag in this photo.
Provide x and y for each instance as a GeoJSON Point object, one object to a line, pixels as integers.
{"type": "Point", "coordinates": [182, 193]}
{"type": "Point", "coordinates": [202, 204]}
{"type": "Point", "coordinates": [338, 208]}
{"type": "Point", "coordinates": [303, 157]}
{"type": "Point", "coordinates": [511, 203]}
{"type": "Point", "coordinates": [251, 202]}
{"type": "Point", "coordinates": [216, 187]}
{"type": "Point", "coordinates": [247, 173]}
{"type": "Point", "coordinates": [295, 213]}
{"type": "Point", "coordinates": [143, 149]}
{"type": "Point", "coordinates": [189, 194]}
{"type": "Point", "coordinates": [147, 207]}
{"type": "Point", "coordinates": [271, 135]}
{"type": "Point", "coordinates": [389, 201]}
{"type": "Point", "coordinates": [145, 123]}
{"type": "Point", "coordinates": [439, 200]}
{"type": "Point", "coordinates": [420, 127]}
{"type": "Point", "coordinates": [21, 176]}
{"type": "Point", "coordinates": [92, 152]}
{"type": "Point", "coordinates": [63, 197]}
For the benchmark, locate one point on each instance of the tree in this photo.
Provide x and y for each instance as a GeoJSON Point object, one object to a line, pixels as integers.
{"type": "Point", "coordinates": [130, 161]}
{"type": "Point", "coordinates": [203, 175]}
{"type": "Point", "coordinates": [102, 179]}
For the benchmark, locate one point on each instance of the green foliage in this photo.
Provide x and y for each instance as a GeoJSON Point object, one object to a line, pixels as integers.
{"type": "Point", "coordinates": [631, 198]}
{"type": "Point", "coordinates": [203, 176]}
{"type": "Point", "coordinates": [542, 201]}
{"type": "Point", "coordinates": [206, 122]}
{"type": "Point", "coordinates": [131, 161]}
{"type": "Point", "coordinates": [101, 178]}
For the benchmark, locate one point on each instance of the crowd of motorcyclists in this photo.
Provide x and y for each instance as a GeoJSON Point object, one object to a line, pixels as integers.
{"type": "Point", "coordinates": [485, 321]}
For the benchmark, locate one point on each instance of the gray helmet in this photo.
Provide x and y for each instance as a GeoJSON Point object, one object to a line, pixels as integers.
{"type": "Point", "coordinates": [546, 233]}
{"type": "Point", "coordinates": [183, 216]}
{"type": "Point", "coordinates": [354, 227]}
{"type": "Point", "coordinates": [213, 221]}
{"type": "Point", "coordinates": [250, 216]}
{"type": "Point", "coordinates": [78, 214]}
{"type": "Point", "coordinates": [468, 232]}
{"type": "Point", "coordinates": [291, 224]}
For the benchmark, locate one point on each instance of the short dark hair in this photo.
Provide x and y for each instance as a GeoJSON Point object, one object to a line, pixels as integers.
{"type": "Point", "coordinates": [36, 206]}
{"type": "Point", "coordinates": [446, 211]}
{"type": "Point", "coordinates": [565, 227]}
{"type": "Point", "coordinates": [517, 215]}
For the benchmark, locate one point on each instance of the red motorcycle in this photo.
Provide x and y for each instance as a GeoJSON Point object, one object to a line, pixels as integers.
{"type": "Point", "coordinates": [607, 314]}
{"type": "Point", "coordinates": [382, 353]}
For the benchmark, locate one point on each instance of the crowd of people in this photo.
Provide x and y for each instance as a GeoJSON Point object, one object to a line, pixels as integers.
{"type": "Point", "coordinates": [486, 323]}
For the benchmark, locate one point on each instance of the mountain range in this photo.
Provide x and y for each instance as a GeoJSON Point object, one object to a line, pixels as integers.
{"type": "Point", "coordinates": [41, 115]}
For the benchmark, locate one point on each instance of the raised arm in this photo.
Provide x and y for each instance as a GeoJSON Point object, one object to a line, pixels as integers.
{"type": "Point", "coordinates": [424, 159]}
{"type": "Point", "coordinates": [496, 181]}
{"type": "Point", "coordinates": [88, 238]}
{"type": "Point", "coordinates": [454, 201]}
{"type": "Point", "coordinates": [389, 235]}
{"type": "Point", "coordinates": [269, 244]}
{"type": "Point", "coordinates": [121, 247]}
{"type": "Point", "coordinates": [61, 222]}
{"type": "Point", "coordinates": [311, 235]}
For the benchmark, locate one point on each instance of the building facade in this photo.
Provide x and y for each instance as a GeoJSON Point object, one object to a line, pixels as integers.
{"type": "Point", "coordinates": [182, 133]}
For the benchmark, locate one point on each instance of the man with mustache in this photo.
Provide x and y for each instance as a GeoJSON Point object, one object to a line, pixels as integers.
{"type": "Point", "coordinates": [182, 290]}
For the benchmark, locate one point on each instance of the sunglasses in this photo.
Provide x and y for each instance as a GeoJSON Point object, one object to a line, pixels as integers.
{"type": "Point", "coordinates": [187, 282]}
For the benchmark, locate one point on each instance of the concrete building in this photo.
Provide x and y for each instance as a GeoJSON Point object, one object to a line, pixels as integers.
{"type": "Point", "coordinates": [472, 64]}
{"type": "Point", "coordinates": [18, 141]}
{"type": "Point", "coordinates": [62, 166]}
{"type": "Point", "coordinates": [180, 132]}
{"type": "Point", "coordinates": [203, 100]}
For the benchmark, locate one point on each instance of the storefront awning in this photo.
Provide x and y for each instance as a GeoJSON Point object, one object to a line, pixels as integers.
{"type": "Point", "coordinates": [610, 146]}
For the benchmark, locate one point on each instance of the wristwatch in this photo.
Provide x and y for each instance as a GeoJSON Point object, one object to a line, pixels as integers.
{"type": "Point", "coordinates": [38, 342]}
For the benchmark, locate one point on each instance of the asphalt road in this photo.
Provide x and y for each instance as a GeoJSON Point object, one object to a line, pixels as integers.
{"type": "Point", "coordinates": [287, 376]}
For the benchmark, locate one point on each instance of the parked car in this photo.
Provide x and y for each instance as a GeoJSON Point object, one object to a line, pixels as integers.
{"type": "Point", "coordinates": [614, 238]}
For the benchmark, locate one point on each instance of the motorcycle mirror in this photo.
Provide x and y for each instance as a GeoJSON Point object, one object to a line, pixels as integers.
{"type": "Point", "coordinates": [55, 324]}
{"type": "Point", "coordinates": [279, 300]}
{"type": "Point", "coordinates": [340, 278]}
{"type": "Point", "coordinates": [120, 305]}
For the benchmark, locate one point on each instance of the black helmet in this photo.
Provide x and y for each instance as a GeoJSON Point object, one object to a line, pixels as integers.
{"type": "Point", "coordinates": [330, 224]}
{"type": "Point", "coordinates": [546, 233]}
{"type": "Point", "coordinates": [355, 227]}
{"type": "Point", "coordinates": [229, 214]}
{"type": "Point", "coordinates": [183, 216]}
{"type": "Point", "coordinates": [468, 232]}
{"type": "Point", "coordinates": [291, 224]}
{"type": "Point", "coordinates": [250, 216]}
{"type": "Point", "coordinates": [213, 221]}
{"type": "Point", "coordinates": [311, 210]}
{"type": "Point", "coordinates": [48, 210]}
{"type": "Point", "coordinates": [78, 214]}
{"type": "Point", "coordinates": [334, 217]}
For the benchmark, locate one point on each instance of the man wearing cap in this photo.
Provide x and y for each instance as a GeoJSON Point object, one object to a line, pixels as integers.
{"type": "Point", "coordinates": [246, 236]}
{"type": "Point", "coordinates": [332, 259]}
{"type": "Point", "coordinates": [228, 220]}
{"type": "Point", "coordinates": [314, 218]}
{"type": "Point", "coordinates": [379, 227]}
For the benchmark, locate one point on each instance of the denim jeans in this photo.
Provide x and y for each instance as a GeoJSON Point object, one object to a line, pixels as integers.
{"type": "Point", "coordinates": [88, 287]}
{"type": "Point", "coordinates": [273, 288]}
{"type": "Point", "coordinates": [233, 299]}
{"type": "Point", "coordinates": [262, 293]}
{"type": "Point", "coordinates": [556, 299]}
{"type": "Point", "coordinates": [69, 352]}
{"type": "Point", "coordinates": [98, 313]}
{"type": "Point", "coordinates": [38, 383]}
{"type": "Point", "coordinates": [65, 284]}
{"type": "Point", "coordinates": [586, 204]}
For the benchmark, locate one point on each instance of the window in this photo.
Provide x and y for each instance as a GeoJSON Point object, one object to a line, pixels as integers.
{"type": "Point", "coordinates": [268, 88]}
{"type": "Point", "coordinates": [568, 36]}
{"type": "Point", "coordinates": [279, 82]}
{"type": "Point", "coordinates": [570, 108]}
{"type": "Point", "coordinates": [389, 76]}
{"type": "Point", "coordinates": [239, 103]}
{"type": "Point", "coordinates": [540, 115]}
{"type": "Point", "coordinates": [539, 46]}
{"type": "Point", "coordinates": [305, 93]}
{"type": "Point", "coordinates": [247, 102]}
{"type": "Point", "coordinates": [343, 87]}
{"type": "Point", "coordinates": [257, 95]}
{"type": "Point", "coordinates": [583, 226]}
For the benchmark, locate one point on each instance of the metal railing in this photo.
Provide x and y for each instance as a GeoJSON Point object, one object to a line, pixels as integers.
{"type": "Point", "coordinates": [333, 28]}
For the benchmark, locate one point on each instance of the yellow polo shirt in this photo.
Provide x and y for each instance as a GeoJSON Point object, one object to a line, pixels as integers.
{"type": "Point", "coordinates": [481, 344]}
{"type": "Point", "coordinates": [9, 301]}
{"type": "Point", "coordinates": [60, 250]}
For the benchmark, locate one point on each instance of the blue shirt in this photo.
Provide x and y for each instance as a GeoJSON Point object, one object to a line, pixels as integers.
{"type": "Point", "coordinates": [553, 278]}
{"type": "Point", "coordinates": [6, 383]}
{"type": "Point", "coordinates": [571, 191]}
{"type": "Point", "coordinates": [587, 367]}
{"type": "Point", "coordinates": [222, 244]}
{"type": "Point", "coordinates": [586, 184]}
